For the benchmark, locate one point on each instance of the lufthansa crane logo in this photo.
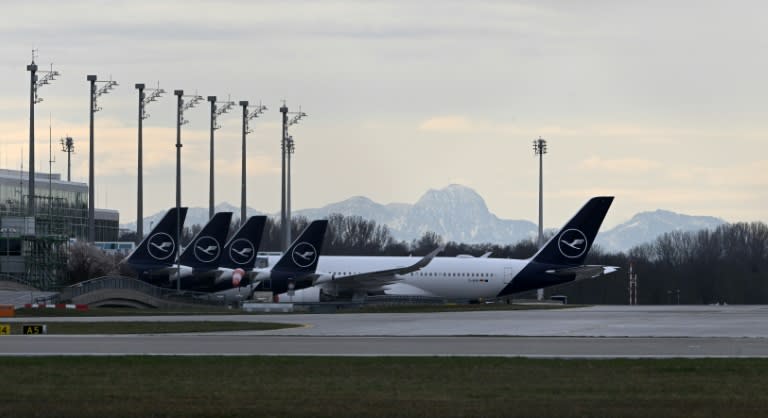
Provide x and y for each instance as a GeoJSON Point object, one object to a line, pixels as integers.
{"type": "Point", "coordinates": [160, 246]}
{"type": "Point", "coordinates": [241, 251]}
{"type": "Point", "coordinates": [206, 249]}
{"type": "Point", "coordinates": [304, 255]}
{"type": "Point", "coordinates": [572, 243]}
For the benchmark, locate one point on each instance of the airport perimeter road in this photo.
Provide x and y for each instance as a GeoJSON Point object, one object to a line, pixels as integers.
{"type": "Point", "coordinates": [597, 321]}
{"type": "Point", "coordinates": [600, 332]}
{"type": "Point", "coordinates": [560, 347]}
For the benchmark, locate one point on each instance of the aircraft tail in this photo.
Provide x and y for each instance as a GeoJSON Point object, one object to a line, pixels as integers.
{"type": "Point", "coordinates": [240, 251]}
{"type": "Point", "coordinates": [304, 252]}
{"type": "Point", "coordinates": [571, 245]}
{"type": "Point", "coordinates": [204, 250]}
{"type": "Point", "coordinates": [158, 248]}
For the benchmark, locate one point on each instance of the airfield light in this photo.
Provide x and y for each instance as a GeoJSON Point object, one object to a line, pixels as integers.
{"type": "Point", "coordinates": [632, 285]}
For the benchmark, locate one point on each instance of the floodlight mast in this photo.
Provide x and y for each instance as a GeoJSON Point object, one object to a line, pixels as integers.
{"type": "Point", "coordinates": [285, 215]}
{"type": "Point", "coordinates": [247, 116]}
{"type": "Point", "coordinates": [180, 108]}
{"type": "Point", "coordinates": [68, 146]}
{"type": "Point", "coordinates": [95, 93]}
{"type": "Point", "coordinates": [34, 84]}
{"type": "Point", "coordinates": [215, 113]}
{"type": "Point", "coordinates": [288, 152]}
{"type": "Point", "coordinates": [540, 148]}
{"type": "Point", "coordinates": [154, 94]}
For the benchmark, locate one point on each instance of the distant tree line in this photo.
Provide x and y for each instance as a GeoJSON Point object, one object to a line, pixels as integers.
{"type": "Point", "coordinates": [726, 265]}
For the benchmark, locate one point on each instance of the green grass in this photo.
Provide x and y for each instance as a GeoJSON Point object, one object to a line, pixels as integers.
{"type": "Point", "coordinates": [204, 310]}
{"type": "Point", "coordinates": [339, 386]}
{"type": "Point", "coordinates": [150, 327]}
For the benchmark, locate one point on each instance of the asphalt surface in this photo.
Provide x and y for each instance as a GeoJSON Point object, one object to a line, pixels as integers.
{"type": "Point", "coordinates": [599, 332]}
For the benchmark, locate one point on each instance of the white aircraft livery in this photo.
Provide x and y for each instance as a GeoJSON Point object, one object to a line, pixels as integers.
{"type": "Point", "coordinates": [558, 261]}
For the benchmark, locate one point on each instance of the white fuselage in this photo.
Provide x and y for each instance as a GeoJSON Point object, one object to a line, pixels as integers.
{"type": "Point", "coordinates": [443, 277]}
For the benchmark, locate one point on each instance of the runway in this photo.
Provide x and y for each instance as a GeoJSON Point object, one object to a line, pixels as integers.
{"type": "Point", "coordinates": [593, 332]}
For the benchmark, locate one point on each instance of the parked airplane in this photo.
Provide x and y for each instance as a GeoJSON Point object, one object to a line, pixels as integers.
{"type": "Point", "coordinates": [558, 261]}
{"type": "Point", "coordinates": [157, 251]}
{"type": "Point", "coordinates": [296, 267]}
{"type": "Point", "coordinates": [236, 263]}
{"type": "Point", "coordinates": [155, 258]}
{"type": "Point", "coordinates": [199, 261]}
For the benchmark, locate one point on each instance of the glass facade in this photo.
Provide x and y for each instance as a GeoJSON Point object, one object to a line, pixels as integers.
{"type": "Point", "coordinates": [61, 206]}
{"type": "Point", "coordinates": [34, 249]}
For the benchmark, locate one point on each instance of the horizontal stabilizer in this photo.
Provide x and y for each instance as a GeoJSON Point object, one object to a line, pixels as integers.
{"type": "Point", "coordinates": [583, 272]}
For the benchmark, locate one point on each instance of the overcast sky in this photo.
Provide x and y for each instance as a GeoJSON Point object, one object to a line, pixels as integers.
{"type": "Point", "coordinates": [662, 104]}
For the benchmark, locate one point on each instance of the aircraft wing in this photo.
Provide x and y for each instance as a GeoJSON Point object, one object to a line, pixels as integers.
{"type": "Point", "coordinates": [376, 279]}
{"type": "Point", "coordinates": [583, 272]}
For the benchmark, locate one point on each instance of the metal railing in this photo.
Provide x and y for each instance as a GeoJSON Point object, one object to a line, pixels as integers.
{"type": "Point", "coordinates": [128, 283]}
{"type": "Point", "coordinates": [12, 278]}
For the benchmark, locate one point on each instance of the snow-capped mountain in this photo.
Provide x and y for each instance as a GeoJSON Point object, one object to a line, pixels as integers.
{"type": "Point", "coordinates": [195, 216]}
{"type": "Point", "coordinates": [646, 226]}
{"type": "Point", "coordinates": [458, 213]}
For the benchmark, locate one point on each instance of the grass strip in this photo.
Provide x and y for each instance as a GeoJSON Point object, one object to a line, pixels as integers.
{"type": "Point", "coordinates": [137, 386]}
{"type": "Point", "coordinates": [49, 312]}
{"type": "Point", "coordinates": [141, 327]}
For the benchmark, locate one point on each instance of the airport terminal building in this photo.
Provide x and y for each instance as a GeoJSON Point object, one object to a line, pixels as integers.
{"type": "Point", "coordinates": [33, 250]}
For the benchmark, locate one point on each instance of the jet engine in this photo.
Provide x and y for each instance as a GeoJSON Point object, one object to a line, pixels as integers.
{"type": "Point", "coordinates": [306, 295]}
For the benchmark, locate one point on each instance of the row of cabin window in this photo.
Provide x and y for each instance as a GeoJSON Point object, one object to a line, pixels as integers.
{"type": "Point", "coordinates": [430, 274]}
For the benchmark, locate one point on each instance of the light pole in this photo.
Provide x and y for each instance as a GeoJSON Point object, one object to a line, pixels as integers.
{"type": "Point", "coordinates": [289, 150]}
{"type": "Point", "coordinates": [247, 116]}
{"type": "Point", "coordinates": [108, 85]}
{"type": "Point", "coordinates": [180, 108]}
{"type": "Point", "coordinates": [154, 94]}
{"type": "Point", "coordinates": [68, 146]}
{"type": "Point", "coordinates": [215, 113]}
{"type": "Point", "coordinates": [34, 84]}
{"type": "Point", "coordinates": [540, 148]}
{"type": "Point", "coordinates": [285, 215]}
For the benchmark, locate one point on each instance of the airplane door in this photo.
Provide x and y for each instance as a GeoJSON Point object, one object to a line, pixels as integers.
{"type": "Point", "coordinates": [508, 274]}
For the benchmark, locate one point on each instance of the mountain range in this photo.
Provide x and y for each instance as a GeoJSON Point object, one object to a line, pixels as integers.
{"type": "Point", "coordinates": [458, 213]}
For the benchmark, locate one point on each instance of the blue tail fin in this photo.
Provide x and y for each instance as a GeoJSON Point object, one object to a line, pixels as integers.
{"type": "Point", "coordinates": [158, 248]}
{"type": "Point", "coordinates": [303, 254]}
{"type": "Point", "coordinates": [571, 245]}
{"type": "Point", "coordinates": [204, 250]}
{"type": "Point", "coordinates": [240, 251]}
